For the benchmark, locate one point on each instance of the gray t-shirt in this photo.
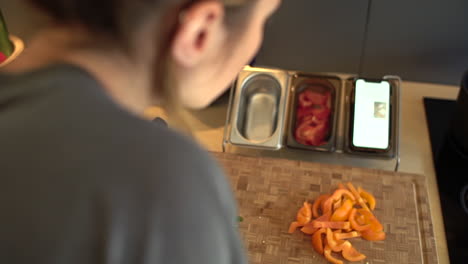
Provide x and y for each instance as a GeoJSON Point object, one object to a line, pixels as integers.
{"type": "Point", "coordinates": [84, 181]}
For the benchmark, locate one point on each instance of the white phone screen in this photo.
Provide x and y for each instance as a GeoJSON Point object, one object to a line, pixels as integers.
{"type": "Point", "coordinates": [371, 115]}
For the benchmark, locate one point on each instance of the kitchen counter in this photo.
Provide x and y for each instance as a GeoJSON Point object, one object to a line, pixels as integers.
{"type": "Point", "coordinates": [416, 154]}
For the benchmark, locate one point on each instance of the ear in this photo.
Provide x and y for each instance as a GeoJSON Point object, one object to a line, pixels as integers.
{"type": "Point", "coordinates": [199, 28]}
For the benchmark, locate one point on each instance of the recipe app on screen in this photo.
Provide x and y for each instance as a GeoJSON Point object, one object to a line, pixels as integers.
{"type": "Point", "coordinates": [371, 115]}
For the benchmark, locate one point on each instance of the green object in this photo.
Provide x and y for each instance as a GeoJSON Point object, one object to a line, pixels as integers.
{"type": "Point", "coordinates": [6, 47]}
{"type": "Point", "coordinates": [240, 219]}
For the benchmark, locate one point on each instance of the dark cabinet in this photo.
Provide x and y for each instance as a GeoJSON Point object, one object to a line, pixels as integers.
{"type": "Point", "coordinates": [419, 40]}
{"type": "Point", "coordinates": [317, 36]}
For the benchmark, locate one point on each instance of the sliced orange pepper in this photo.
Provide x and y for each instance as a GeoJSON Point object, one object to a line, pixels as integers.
{"type": "Point", "coordinates": [293, 226]}
{"type": "Point", "coordinates": [361, 220]}
{"type": "Point", "coordinates": [317, 241]}
{"type": "Point", "coordinates": [357, 196]}
{"type": "Point", "coordinates": [335, 245]}
{"type": "Point", "coordinates": [336, 196]}
{"type": "Point", "coordinates": [332, 225]}
{"type": "Point", "coordinates": [327, 205]}
{"type": "Point", "coordinates": [369, 198]}
{"type": "Point", "coordinates": [350, 253]}
{"type": "Point", "coordinates": [304, 215]}
{"type": "Point", "coordinates": [340, 193]}
{"type": "Point", "coordinates": [327, 252]}
{"type": "Point", "coordinates": [376, 226]}
{"type": "Point", "coordinates": [339, 214]}
{"type": "Point", "coordinates": [342, 213]}
{"type": "Point", "coordinates": [318, 202]}
{"type": "Point", "coordinates": [337, 204]}
{"type": "Point", "coordinates": [354, 224]}
{"type": "Point", "coordinates": [309, 229]}
{"type": "Point", "coordinates": [371, 235]}
{"type": "Point", "coordinates": [342, 236]}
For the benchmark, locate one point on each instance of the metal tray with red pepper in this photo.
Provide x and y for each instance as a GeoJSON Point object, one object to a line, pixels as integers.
{"type": "Point", "coordinates": [313, 115]}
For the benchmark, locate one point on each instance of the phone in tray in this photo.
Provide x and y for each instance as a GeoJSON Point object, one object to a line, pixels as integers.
{"type": "Point", "coordinates": [371, 116]}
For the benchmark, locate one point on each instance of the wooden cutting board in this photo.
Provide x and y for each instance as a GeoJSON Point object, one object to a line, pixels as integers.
{"type": "Point", "coordinates": [270, 191]}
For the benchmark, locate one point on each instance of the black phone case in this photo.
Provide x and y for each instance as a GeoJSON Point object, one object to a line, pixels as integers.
{"type": "Point", "coordinates": [392, 150]}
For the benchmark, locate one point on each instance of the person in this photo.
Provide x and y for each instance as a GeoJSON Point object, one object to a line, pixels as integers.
{"type": "Point", "coordinates": [85, 179]}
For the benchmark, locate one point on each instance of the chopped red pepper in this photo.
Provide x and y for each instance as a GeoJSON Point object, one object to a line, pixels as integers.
{"type": "Point", "coordinates": [309, 134]}
{"type": "Point", "coordinates": [312, 118]}
{"type": "Point", "coordinates": [309, 98]}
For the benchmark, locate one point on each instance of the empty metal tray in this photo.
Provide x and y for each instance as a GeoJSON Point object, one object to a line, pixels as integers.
{"type": "Point", "coordinates": [259, 108]}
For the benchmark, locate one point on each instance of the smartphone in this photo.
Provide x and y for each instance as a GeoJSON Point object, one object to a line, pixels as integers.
{"type": "Point", "coordinates": [371, 116]}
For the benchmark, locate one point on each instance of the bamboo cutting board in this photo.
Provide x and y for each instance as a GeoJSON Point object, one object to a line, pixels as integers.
{"type": "Point", "coordinates": [270, 191]}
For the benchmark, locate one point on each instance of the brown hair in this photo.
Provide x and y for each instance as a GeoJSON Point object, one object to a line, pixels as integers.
{"type": "Point", "coordinates": [114, 20]}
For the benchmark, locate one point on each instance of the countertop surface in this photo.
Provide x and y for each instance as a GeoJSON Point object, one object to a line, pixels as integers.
{"type": "Point", "coordinates": [416, 155]}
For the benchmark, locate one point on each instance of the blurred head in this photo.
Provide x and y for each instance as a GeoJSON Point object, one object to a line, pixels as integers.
{"type": "Point", "coordinates": [193, 48]}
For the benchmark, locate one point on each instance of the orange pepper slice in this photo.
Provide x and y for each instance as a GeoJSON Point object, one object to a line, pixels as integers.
{"type": "Point", "coordinates": [304, 215]}
{"type": "Point", "coordinates": [293, 226]}
{"type": "Point", "coordinates": [342, 213]}
{"type": "Point", "coordinates": [335, 245]}
{"type": "Point", "coordinates": [317, 241]}
{"type": "Point", "coordinates": [350, 253]}
{"type": "Point", "coordinates": [361, 220]}
{"type": "Point", "coordinates": [339, 214]}
{"type": "Point", "coordinates": [332, 225]}
{"type": "Point", "coordinates": [357, 196]}
{"type": "Point", "coordinates": [376, 226]}
{"type": "Point", "coordinates": [327, 205]}
{"type": "Point", "coordinates": [336, 196]}
{"type": "Point", "coordinates": [309, 229]}
{"type": "Point", "coordinates": [337, 204]}
{"type": "Point", "coordinates": [342, 236]}
{"type": "Point", "coordinates": [327, 252]}
{"type": "Point", "coordinates": [369, 198]}
{"type": "Point", "coordinates": [340, 193]}
{"type": "Point", "coordinates": [371, 235]}
{"type": "Point", "coordinates": [354, 224]}
{"type": "Point", "coordinates": [318, 202]}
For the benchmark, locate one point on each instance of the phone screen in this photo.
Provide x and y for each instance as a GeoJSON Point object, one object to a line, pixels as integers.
{"type": "Point", "coordinates": [371, 128]}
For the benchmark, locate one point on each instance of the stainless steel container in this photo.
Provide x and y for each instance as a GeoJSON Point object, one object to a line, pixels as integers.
{"type": "Point", "coordinates": [321, 85]}
{"type": "Point", "coordinates": [261, 117]}
{"type": "Point", "coordinates": [258, 108]}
